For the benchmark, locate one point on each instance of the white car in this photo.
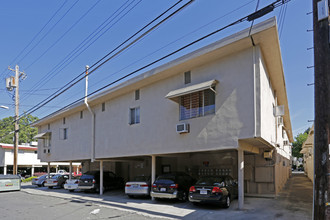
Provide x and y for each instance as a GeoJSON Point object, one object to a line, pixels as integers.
{"type": "Point", "coordinates": [140, 186]}
{"type": "Point", "coordinates": [72, 184]}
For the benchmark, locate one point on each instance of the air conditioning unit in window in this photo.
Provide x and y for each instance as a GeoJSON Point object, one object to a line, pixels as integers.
{"type": "Point", "coordinates": [182, 128]}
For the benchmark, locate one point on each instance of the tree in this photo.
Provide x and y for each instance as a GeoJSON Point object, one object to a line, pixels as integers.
{"type": "Point", "coordinates": [297, 144]}
{"type": "Point", "coordinates": [26, 132]}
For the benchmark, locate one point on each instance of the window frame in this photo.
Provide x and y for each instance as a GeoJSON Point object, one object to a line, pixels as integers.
{"type": "Point", "coordinates": [200, 111]}
{"type": "Point", "coordinates": [136, 116]}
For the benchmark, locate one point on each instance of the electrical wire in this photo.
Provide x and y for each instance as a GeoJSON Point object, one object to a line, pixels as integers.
{"type": "Point", "coordinates": [76, 80]}
{"type": "Point", "coordinates": [21, 52]}
{"type": "Point", "coordinates": [194, 31]}
{"type": "Point", "coordinates": [52, 73]}
{"type": "Point", "coordinates": [65, 33]}
{"type": "Point", "coordinates": [45, 35]}
{"type": "Point", "coordinates": [274, 4]}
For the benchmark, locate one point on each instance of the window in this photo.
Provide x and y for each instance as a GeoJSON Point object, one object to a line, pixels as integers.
{"type": "Point", "coordinates": [47, 140]}
{"type": "Point", "coordinates": [137, 94]}
{"type": "Point", "coordinates": [81, 114]}
{"type": "Point", "coordinates": [103, 106]}
{"type": "Point", "coordinates": [197, 104]}
{"type": "Point", "coordinates": [64, 121]}
{"type": "Point", "coordinates": [63, 133]}
{"type": "Point", "coordinates": [134, 115]}
{"type": "Point", "coordinates": [187, 77]}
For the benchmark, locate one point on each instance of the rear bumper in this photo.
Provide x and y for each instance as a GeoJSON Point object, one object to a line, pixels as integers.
{"type": "Point", "coordinates": [86, 187]}
{"type": "Point", "coordinates": [50, 184]}
{"type": "Point", "coordinates": [173, 195]}
{"type": "Point", "coordinates": [206, 199]}
{"type": "Point", "coordinates": [70, 186]}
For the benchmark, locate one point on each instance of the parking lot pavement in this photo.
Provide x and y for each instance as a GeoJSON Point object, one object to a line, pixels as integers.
{"type": "Point", "coordinates": [290, 204]}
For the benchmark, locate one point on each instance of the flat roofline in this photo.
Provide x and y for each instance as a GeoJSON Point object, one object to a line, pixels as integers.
{"type": "Point", "coordinates": [264, 34]}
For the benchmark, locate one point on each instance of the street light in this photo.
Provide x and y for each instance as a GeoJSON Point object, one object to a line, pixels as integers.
{"type": "Point", "coordinates": [3, 106]}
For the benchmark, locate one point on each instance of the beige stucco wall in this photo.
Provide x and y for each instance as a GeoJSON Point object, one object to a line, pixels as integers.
{"type": "Point", "coordinates": [156, 133]}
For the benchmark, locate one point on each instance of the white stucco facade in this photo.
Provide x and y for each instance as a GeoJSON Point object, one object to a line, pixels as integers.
{"type": "Point", "coordinates": [249, 86]}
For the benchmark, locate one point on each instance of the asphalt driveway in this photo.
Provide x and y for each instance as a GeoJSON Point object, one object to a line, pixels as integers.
{"type": "Point", "coordinates": [294, 202]}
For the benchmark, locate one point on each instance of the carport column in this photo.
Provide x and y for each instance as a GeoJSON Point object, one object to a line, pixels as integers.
{"type": "Point", "coordinates": [32, 170]}
{"type": "Point", "coordinates": [153, 170]}
{"type": "Point", "coordinates": [5, 170]}
{"type": "Point", "coordinates": [101, 177]}
{"type": "Point", "coordinates": [240, 178]}
{"type": "Point", "coordinates": [70, 171]}
{"type": "Point", "coordinates": [56, 168]}
{"type": "Point", "coordinates": [48, 170]}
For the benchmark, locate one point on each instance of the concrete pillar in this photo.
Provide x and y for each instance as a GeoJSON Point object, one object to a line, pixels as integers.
{"type": "Point", "coordinates": [70, 171]}
{"type": "Point", "coordinates": [48, 170]}
{"type": "Point", "coordinates": [5, 170]}
{"type": "Point", "coordinates": [32, 170]}
{"type": "Point", "coordinates": [101, 177]}
{"type": "Point", "coordinates": [240, 178]}
{"type": "Point", "coordinates": [153, 170]}
{"type": "Point", "coordinates": [56, 168]}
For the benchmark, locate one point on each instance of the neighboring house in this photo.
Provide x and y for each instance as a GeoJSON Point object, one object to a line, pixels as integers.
{"type": "Point", "coordinates": [221, 109]}
{"type": "Point", "coordinates": [27, 160]}
{"type": "Point", "coordinates": [308, 151]}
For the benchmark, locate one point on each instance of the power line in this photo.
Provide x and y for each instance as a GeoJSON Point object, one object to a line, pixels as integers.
{"type": "Point", "coordinates": [51, 18]}
{"type": "Point", "coordinates": [60, 38]}
{"type": "Point", "coordinates": [76, 80]}
{"type": "Point", "coordinates": [249, 17]}
{"type": "Point", "coordinates": [67, 60]}
{"type": "Point", "coordinates": [45, 35]}
{"type": "Point", "coordinates": [234, 10]}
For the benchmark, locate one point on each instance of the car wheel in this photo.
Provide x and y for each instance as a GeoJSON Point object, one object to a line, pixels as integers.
{"type": "Point", "coordinates": [227, 204]}
{"type": "Point", "coordinates": [50, 187]}
{"type": "Point", "coordinates": [71, 190]}
{"type": "Point", "coordinates": [195, 203]}
{"type": "Point", "coordinates": [62, 186]}
{"type": "Point", "coordinates": [43, 184]}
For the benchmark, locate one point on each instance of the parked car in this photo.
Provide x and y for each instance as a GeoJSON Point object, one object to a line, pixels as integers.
{"type": "Point", "coordinates": [140, 186]}
{"type": "Point", "coordinates": [56, 181]}
{"type": "Point", "coordinates": [39, 181]}
{"type": "Point", "coordinates": [72, 184]}
{"type": "Point", "coordinates": [214, 189]}
{"type": "Point", "coordinates": [91, 181]}
{"type": "Point", "coordinates": [172, 186]}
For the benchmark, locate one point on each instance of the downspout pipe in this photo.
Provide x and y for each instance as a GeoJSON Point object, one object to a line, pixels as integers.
{"type": "Point", "coordinates": [93, 117]}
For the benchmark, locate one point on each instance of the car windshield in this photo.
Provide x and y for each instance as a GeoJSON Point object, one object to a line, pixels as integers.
{"type": "Point", "coordinates": [165, 180]}
{"type": "Point", "coordinates": [210, 181]}
{"type": "Point", "coordinates": [141, 178]}
{"type": "Point", "coordinates": [56, 176]}
{"type": "Point", "coordinates": [86, 176]}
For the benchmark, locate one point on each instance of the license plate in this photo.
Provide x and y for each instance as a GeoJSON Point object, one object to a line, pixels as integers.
{"type": "Point", "coordinates": [69, 187]}
{"type": "Point", "coordinates": [203, 192]}
{"type": "Point", "coordinates": [135, 186]}
{"type": "Point", "coordinates": [163, 189]}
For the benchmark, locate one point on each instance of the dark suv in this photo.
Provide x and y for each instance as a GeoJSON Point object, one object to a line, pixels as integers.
{"type": "Point", "coordinates": [91, 181]}
{"type": "Point", "coordinates": [172, 186]}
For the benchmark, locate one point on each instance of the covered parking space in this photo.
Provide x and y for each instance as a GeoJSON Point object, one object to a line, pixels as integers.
{"type": "Point", "coordinates": [246, 164]}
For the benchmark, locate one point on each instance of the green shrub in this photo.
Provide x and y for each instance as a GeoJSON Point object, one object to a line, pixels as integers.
{"type": "Point", "coordinates": [29, 179]}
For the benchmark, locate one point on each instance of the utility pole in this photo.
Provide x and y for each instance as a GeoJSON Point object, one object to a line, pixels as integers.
{"type": "Point", "coordinates": [13, 82]}
{"type": "Point", "coordinates": [322, 109]}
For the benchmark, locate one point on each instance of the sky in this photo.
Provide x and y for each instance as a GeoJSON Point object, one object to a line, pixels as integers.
{"type": "Point", "coordinates": [53, 41]}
